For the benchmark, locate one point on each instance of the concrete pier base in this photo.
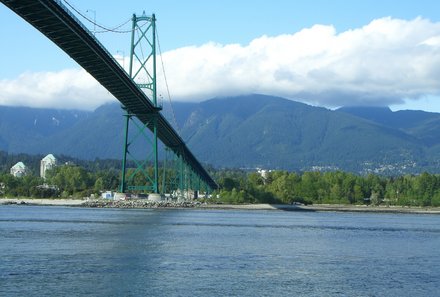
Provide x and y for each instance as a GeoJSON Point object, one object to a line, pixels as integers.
{"type": "Point", "coordinates": [154, 197]}
{"type": "Point", "coordinates": [119, 196]}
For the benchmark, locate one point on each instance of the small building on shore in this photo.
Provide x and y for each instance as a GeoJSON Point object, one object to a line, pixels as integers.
{"type": "Point", "coordinates": [19, 170]}
{"type": "Point", "coordinates": [108, 195]}
{"type": "Point", "coordinates": [47, 163]}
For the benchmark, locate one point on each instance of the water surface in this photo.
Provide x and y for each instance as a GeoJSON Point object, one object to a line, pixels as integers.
{"type": "Point", "coordinates": [59, 251]}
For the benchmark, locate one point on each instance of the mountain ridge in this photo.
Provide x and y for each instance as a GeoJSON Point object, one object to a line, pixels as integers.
{"type": "Point", "coordinates": [246, 132]}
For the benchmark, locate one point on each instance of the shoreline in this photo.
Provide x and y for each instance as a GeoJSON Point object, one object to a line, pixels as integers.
{"type": "Point", "coordinates": [142, 203]}
{"type": "Point", "coordinates": [329, 208]}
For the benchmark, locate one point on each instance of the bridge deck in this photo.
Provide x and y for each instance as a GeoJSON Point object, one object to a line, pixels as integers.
{"type": "Point", "coordinates": [58, 24]}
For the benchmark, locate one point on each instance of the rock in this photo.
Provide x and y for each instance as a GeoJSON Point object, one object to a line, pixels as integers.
{"type": "Point", "coordinates": [141, 203]}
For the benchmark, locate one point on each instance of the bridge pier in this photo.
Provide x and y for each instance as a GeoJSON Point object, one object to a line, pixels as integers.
{"type": "Point", "coordinates": [155, 197]}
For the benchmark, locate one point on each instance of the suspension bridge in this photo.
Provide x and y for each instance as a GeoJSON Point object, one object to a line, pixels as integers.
{"type": "Point", "coordinates": [62, 27]}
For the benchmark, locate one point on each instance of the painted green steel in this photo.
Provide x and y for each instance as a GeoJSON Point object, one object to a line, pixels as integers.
{"type": "Point", "coordinates": [164, 169]}
{"type": "Point", "coordinates": [142, 166]}
{"type": "Point", "coordinates": [146, 32]}
{"type": "Point", "coordinates": [153, 23]}
{"type": "Point", "coordinates": [171, 173]}
{"type": "Point", "coordinates": [122, 188]}
{"type": "Point", "coordinates": [58, 24]}
{"type": "Point", "coordinates": [154, 89]}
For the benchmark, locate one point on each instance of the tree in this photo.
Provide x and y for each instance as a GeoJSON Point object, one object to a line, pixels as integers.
{"type": "Point", "coordinates": [228, 183]}
{"type": "Point", "coordinates": [70, 179]}
{"type": "Point", "coordinates": [99, 185]}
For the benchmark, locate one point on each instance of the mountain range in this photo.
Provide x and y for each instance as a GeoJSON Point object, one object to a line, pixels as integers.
{"type": "Point", "coordinates": [254, 131]}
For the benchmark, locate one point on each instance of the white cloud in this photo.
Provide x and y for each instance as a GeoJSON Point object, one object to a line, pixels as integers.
{"type": "Point", "coordinates": [66, 89]}
{"type": "Point", "coordinates": [384, 62]}
{"type": "Point", "coordinates": [388, 61]}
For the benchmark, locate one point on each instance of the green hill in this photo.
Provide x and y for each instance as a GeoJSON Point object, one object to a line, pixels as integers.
{"type": "Point", "coordinates": [247, 132]}
{"type": "Point", "coordinates": [270, 132]}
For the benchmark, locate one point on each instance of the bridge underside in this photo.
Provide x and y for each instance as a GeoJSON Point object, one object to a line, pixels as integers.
{"type": "Point", "coordinates": [58, 24]}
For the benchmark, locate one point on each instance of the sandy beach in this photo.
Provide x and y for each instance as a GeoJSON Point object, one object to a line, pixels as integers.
{"type": "Point", "coordinates": [283, 207]}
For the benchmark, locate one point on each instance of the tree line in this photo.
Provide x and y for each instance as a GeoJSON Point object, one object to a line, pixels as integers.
{"type": "Point", "coordinates": [62, 181]}
{"type": "Point", "coordinates": [329, 187]}
{"type": "Point", "coordinates": [238, 186]}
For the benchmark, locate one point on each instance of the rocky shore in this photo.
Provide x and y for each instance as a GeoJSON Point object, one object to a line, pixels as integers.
{"type": "Point", "coordinates": [102, 203]}
{"type": "Point", "coordinates": [140, 203]}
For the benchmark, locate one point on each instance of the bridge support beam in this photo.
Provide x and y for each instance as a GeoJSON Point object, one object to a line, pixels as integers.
{"type": "Point", "coordinates": [183, 180]}
{"type": "Point", "coordinates": [142, 70]}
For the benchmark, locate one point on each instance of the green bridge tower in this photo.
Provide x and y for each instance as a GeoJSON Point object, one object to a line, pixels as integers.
{"type": "Point", "coordinates": [142, 70]}
{"type": "Point", "coordinates": [177, 176]}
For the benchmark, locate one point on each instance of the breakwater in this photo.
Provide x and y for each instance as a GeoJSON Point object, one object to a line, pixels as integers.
{"type": "Point", "coordinates": [139, 203]}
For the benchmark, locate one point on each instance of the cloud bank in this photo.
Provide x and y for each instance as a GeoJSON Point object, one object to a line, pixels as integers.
{"type": "Point", "coordinates": [67, 89]}
{"type": "Point", "coordinates": [383, 63]}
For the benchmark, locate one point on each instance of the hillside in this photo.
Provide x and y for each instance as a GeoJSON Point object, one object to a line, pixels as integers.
{"type": "Point", "coordinates": [23, 129]}
{"type": "Point", "coordinates": [248, 132]}
{"type": "Point", "coordinates": [425, 126]}
{"type": "Point", "coordinates": [269, 132]}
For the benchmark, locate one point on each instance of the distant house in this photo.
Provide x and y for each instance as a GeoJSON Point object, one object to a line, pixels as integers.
{"type": "Point", "coordinates": [19, 170]}
{"type": "Point", "coordinates": [47, 163]}
{"type": "Point", "coordinates": [264, 173]}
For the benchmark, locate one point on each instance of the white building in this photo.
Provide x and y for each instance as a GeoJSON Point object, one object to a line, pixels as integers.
{"type": "Point", "coordinates": [264, 173]}
{"type": "Point", "coordinates": [19, 170]}
{"type": "Point", "coordinates": [47, 163]}
{"type": "Point", "coordinates": [107, 195]}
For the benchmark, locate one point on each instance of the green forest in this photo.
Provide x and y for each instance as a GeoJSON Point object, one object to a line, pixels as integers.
{"type": "Point", "coordinates": [77, 179]}
{"type": "Point", "coordinates": [329, 188]}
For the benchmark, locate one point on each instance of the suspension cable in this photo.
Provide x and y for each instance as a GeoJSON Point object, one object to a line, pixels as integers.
{"type": "Point", "coordinates": [115, 30]}
{"type": "Point", "coordinates": [104, 29]}
{"type": "Point", "coordinates": [166, 84]}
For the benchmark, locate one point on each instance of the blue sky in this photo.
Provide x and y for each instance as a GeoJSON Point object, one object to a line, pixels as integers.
{"type": "Point", "coordinates": [233, 31]}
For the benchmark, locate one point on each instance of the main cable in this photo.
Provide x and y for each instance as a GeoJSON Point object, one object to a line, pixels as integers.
{"type": "Point", "coordinates": [104, 29]}
{"type": "Point", "coordinates": [166, 84]}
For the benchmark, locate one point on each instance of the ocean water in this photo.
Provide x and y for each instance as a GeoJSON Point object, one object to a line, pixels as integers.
{"type": "Point", "coordinates": [61, 251]}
